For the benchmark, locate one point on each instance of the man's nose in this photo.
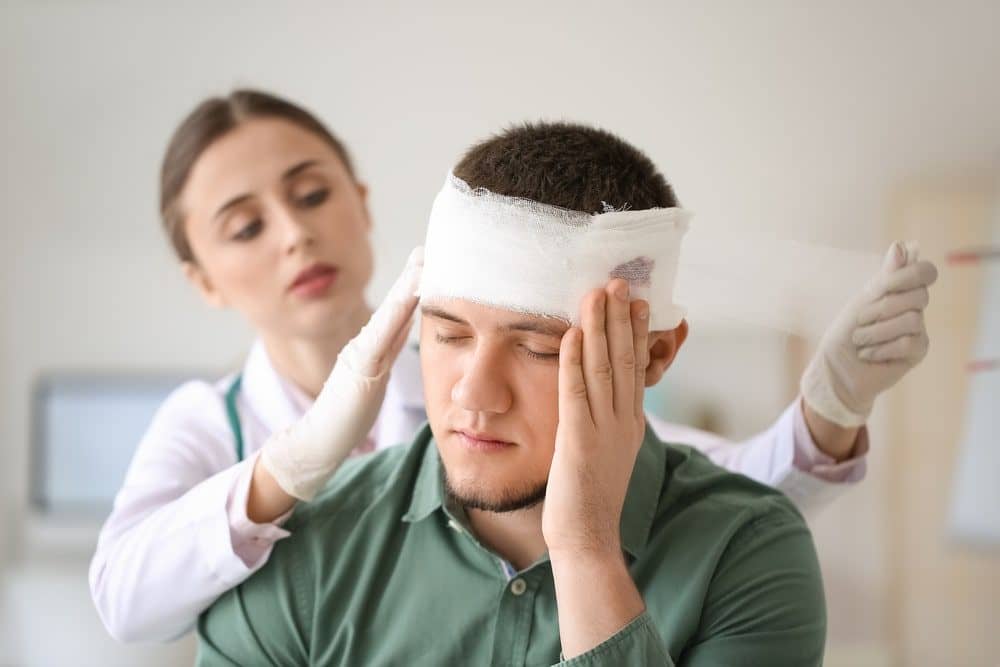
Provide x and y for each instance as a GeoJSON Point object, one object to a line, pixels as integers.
{"type": "Point", "coordinates": [483, 386]}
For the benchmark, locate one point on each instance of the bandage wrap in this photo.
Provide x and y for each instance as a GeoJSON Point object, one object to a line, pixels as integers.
{"type": "Point", "coordinates": [538, 259]}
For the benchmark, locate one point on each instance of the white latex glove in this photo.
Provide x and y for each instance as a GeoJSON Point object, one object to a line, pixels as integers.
{"type": "Point", "coordinates": [303, 457]}
{"type": "Point", "coordinates": [874, 341]}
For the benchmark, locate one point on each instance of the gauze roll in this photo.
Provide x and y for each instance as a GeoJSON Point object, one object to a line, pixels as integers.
{"type": "Point", "coordinates": [538, 259]}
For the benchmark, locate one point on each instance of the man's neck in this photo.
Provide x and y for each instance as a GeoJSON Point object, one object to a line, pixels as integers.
{"type": "Point", "coordinates": [307, 362]}
{"type": "Point", "coordinates": [514, 536]}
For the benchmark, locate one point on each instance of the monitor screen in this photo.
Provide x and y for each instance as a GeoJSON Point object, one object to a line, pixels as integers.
{"type": "Point", "coordinates": [86, 429]}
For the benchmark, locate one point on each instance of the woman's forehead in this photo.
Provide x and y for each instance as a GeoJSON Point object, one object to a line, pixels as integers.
{"type": "Point", "coordinates": [255, 155]}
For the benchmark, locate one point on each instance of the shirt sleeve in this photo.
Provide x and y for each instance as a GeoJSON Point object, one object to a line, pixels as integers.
{"type": "Point", "coordinates": [638, 643]}
{"type": "Point", "coordinates": [765, 604]}
{"type": "Point", "coordinates": [174, 541]}
{"type": "Point", "coordinates": [265, 619]}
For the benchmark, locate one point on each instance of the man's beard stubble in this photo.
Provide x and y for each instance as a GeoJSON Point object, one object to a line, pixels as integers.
{"type": "Point", "coordinates": [510, 500]}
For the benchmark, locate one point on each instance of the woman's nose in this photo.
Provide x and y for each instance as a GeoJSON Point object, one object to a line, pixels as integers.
{"type": "Point", "coordinates": [295, 231]}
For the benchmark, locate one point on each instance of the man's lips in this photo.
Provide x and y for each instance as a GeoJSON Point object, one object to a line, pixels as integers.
{"type": "Point", "coordinates": [314, 280]}
{"type": "Point", "coordinates": [481, 441]}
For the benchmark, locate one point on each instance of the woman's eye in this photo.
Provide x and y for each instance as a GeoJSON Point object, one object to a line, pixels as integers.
{"type": "Point", "coordinates": [314, 198]}
{"type": "Point", "coordinates": [249, 231]}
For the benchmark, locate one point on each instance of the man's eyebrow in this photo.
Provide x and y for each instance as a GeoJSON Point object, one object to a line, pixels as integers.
{"type": "Point", "coordinates": [433, 311]}
{"type": "Point", "coordinates": [531, 326]}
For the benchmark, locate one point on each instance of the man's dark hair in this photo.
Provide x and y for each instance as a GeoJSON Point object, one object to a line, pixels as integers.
{"type": "Point", "coordinates": [568, 165]}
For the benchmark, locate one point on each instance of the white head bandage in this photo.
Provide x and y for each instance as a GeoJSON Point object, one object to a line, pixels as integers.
{"type": "Point", "coordinates": [533, 258]}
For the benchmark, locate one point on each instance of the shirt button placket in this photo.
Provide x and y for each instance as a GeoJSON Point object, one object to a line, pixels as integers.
{"type": "Point", "coordinates": [514, 623]}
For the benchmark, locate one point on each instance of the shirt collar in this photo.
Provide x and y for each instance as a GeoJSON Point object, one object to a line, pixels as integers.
{"type": "Point", "coordinates": [428, 491]}
{"type": "Point", "coordinates": [641, 500]}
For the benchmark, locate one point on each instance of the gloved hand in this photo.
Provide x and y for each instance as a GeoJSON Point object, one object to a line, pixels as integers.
{"type": "Point", "coordinates": [874, 341]}
{"type": "Point", "coordinates": [303, 457]}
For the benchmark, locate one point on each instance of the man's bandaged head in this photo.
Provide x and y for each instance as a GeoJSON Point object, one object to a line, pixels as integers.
{"type": "Point", "coordinates": [522, 255]}
{"type": "Point", "coordinates": [555, 209]}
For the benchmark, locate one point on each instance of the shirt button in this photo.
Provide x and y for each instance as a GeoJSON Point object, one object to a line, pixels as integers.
{"type": "Point", "coordinates": [517, 587]}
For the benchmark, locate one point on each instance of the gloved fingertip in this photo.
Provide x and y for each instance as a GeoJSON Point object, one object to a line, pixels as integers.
{"type": "Point", "coordinates": [409, 281]}
{"type": "Point", "coordinates": [416, 256]}
{"type": "Point", "coordinates": [912, 252]}
{"type": "Point", "coordinates": [895, 257]}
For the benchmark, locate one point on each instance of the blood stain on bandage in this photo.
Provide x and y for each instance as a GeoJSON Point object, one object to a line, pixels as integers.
{"type": "Point", "coordinates": [636, 271]}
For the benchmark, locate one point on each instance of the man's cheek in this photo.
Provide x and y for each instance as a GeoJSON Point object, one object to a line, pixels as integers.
{"type": "Point", "coordinates": [440, 378]}
{"type": "Point", "coordinates": [540, 402]}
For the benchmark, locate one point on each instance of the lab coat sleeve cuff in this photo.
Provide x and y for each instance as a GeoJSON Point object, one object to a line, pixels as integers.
{"type": "Point", "coordinates": [808, 458]}
{"type": "Point", "coordinates": [215, 533]}
{"type": "Point", "coordinates": [251, 541]}
{"type": "Point", "coordinates": [809, 478]}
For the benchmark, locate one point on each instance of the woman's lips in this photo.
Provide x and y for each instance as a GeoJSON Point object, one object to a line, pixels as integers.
{"type": "Point", "coordinates": [481, 442]}
{"type": "Point", "coordinates": [314, 281]}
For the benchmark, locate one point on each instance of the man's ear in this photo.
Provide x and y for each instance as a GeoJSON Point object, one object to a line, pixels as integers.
{"type": "Point", "coordinates": [197, 277]}
{"type": "Point", "coordinates": [663, 348]}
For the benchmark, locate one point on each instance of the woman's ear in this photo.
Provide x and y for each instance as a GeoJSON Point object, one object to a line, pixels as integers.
{"type": "Point", "coordinates": [663, 348]}
{"type": "Point", "coordinates": [197, 277]}
{"type": "Point", "coordinates": [363, 194]}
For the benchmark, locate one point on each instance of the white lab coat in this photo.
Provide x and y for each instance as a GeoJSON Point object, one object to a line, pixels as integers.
{"type": "Point", "coordinates": [178, 536]}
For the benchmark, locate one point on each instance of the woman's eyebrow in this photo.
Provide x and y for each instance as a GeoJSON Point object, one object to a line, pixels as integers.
{"type": "Point", "coordinates": [235, 201]}
{"type": "Point", "coordinates": [292, 171]}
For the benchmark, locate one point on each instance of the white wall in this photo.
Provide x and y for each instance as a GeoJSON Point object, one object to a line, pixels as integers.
{"type": "Point", "coordinates": [786, 116]}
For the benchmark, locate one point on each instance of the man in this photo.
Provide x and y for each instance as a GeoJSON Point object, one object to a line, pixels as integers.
{"type": "Point", "coordinates": [537, 519]}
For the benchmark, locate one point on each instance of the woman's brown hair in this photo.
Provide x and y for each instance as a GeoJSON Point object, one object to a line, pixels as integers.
{"type": "Point", "coordinates": [211, 120]}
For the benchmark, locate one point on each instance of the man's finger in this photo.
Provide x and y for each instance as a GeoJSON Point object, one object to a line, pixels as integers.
{"type": "Point", "coordinates": [597, 370]}
{"type": "Point", "coordinates": [618, 323]}
{"type": "Point", "coordinates": [574, 405]}
{"type": "Point", "coordinates": [891, 305]}
{"type": "Point", "coordinates": [640, 342]}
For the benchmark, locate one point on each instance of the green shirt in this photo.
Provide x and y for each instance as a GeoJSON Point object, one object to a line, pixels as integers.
{"type": "Point", "coordinates": [378, 571]}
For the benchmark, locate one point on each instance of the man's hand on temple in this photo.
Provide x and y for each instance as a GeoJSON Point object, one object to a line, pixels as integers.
{"type": "Point", "coordinates": [874, 341]}
{"type": "Point", "coordinates": [601, 426]}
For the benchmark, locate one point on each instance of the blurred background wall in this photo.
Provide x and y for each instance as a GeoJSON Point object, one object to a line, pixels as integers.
{"type": "Point", "coordinates": [821, 122]}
